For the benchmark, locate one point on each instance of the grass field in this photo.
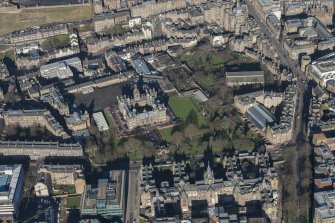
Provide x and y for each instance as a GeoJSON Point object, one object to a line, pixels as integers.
{"type": "Point", "coordinates": [10, 22]}
{"type": "Point", "coordinates": [206, 81]}
{"type": "Point", "coordinates": [9, 54]}
{"type": "Point", "coordinates": [73, 202]}
{"type": "Point", "coordinates": [166, 134]}
{"type": "Point", "coordinates": [114, 140]}
{"type": "Point", "coordinates": [182, 107]}
{"type": "Point", "coordinates": [217, 59]}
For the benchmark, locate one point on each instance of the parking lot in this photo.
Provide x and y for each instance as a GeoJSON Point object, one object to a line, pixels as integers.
{"type": "Point", "coordinates": [44, 210]}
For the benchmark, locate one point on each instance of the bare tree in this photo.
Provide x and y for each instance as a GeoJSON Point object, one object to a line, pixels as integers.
{"type": "Point", "coordinates": [178, 138]}
{"type": "Point", "coordinates": [217, 145]}
{"type": "Point", "coordinates": [132, 145]}
{"type": "Point", "coordinates": [33, 130]}
{"type": "Point", "coordinates": [91, 145]}
{"type": "Point", "coordinates": [191, 131]}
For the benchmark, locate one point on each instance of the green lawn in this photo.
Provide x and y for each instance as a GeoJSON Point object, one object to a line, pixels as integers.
{"type": "Point", "coordinates": [73, 202]}
{"type": "Point", "coordinates": [63, 39]}
{"type": "Point", "coordinates": [217, 59]}
{"type": "Point", "coordinates": [188, 59]}
{"type": "Point", "coordinates": [109, 120]}
{"type": "Point", "coordinates": [206, 81]}
{"type": "Point", "coordinates": [183, 106]}
{"type": "Point", "coordinates": [166, 134]}
{"type": "Point", "coordinates": [10, 54]}
{"type": "Point", "coordinates": [242, 58]}
{"type": "Point", "coordinates": [114, 140]}
{"type": "Point", "coordinates": [116, 30]}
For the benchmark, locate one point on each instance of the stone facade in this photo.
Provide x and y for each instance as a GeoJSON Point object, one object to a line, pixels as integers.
{"type": "Point", "coordinates": [56, 100]}
{"type": "Point", "coordinates": [78, 122]}
{"type": "Point", "coordinates": [28, 118]}
{"type": "Point", "coordinates": [268, 99]}
{"type": "Point", "coordinates": [36, 150]}
{"type": "Point", "coordinates": [33, 34]}
{"type": "Point", "coordinates": [27, 62]}
{"type": "Point", "coordinates": [65, 175]}
{"type": "Point", "coordinates": [209, 189]}
{"type": "Point", "coordinates": [154, 7]}
{"type": "Point", "coordinates": [103, 22]}
{"type": "Point", "coordinates": [133, 118]}
{"type": "Point", "coordinates": [283, 131]}
{"type": "Point", "coordinates": [321, 9]}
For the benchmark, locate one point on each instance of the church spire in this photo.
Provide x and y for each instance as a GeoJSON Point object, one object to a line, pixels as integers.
{"type": "Point", "coordinates": [209, 175]}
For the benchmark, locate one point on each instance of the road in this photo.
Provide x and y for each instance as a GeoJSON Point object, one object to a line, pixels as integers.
{"type": "Point", "coordinates": [299, 135]}
{"type": "Point", "coordinates": [133, 198]}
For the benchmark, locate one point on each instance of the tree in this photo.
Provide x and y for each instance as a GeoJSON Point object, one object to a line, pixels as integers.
{"type": "Point", "coordinates": [242, 144]}
{"type": "Point", "coordinates": [132, 145]}
{"type": "Point", "coordinates": [225, 123]}
{"type": "Point", "coordinates": [191, 131]}
{"type": "Point", "coordinates": [91, 146]}
{"type": "Point", "coordinates": [148, 148]}
{"type": "Point", "coordinates": [217, 123]}
{"type": "Point", "coordinates": [178, 138]}
{"type": "Point", "coordinates": [33, 130]}
{"type": "Point", "coordinates": [217, 145]}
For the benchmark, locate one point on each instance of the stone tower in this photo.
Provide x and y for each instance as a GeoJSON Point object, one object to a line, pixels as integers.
{"type": "Point", "coordinates": [136, 93]}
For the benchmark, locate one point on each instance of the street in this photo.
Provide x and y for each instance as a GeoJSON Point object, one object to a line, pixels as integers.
{"type": "Point", "coordinates": [133, 200]}
{"type": "Point", "coordinates": [299, 135]}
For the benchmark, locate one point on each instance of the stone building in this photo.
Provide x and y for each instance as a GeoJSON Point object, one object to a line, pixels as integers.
{"type": "Point", "coordinates": [171, 30]}
{"type": "Point", "coordinates": [235, 18]}
{"type": "Point", "coordinates": [283, 131]}
{"type": "Point", "coordinates": [56, 100]}
{"type": "Point", "coordinates": [321, 9]}
{"type": "Point", "coordinates": [65, 175]}
{"type": "Point", "coordinates": [278, 132]}
{"type": "Point", "coordinates": [112, 4]}
{"type": "Point", "coordinates": [263, 187]}
{"type": "Point", "coordinates": [103, 22]}
{"type": "Point", "coordinates": [322, 69]}
{"type": "Point", "coordinates": [37, 149]}
{"type": "Point", "coordinates": [142, 109]}
{"type": "Point", "coordinates": [97, 4]}
{"type": "Point", "coordinates": [98, 45]}
{"type": "Point", "coordinates": [28, 118]}
{"type": "Point", "coordinates": [115, 63]}
{"type": "Point", "coordinates": [61, 69]}
{"type": "Point", "coordinates": [38, 33]}
{"type": "Point", "coordinates": [304, 36]}
{"type": "Point", "coordinates": [266, 7]}
{"type": "Point", "coordinates": [324, 207]}
{"type": "Point", "coordinates": [78, 122]}
{"type": "Point", "coordinates": [122, 17]}
{"type": "Point", "coordinates": [33, 59]}
{"type": "Point", "coordinates": [244, 78]}
{"type": "Point", "coordinates": [154, 7]}
{"type": "Point", "coordinates": [268, 99]}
